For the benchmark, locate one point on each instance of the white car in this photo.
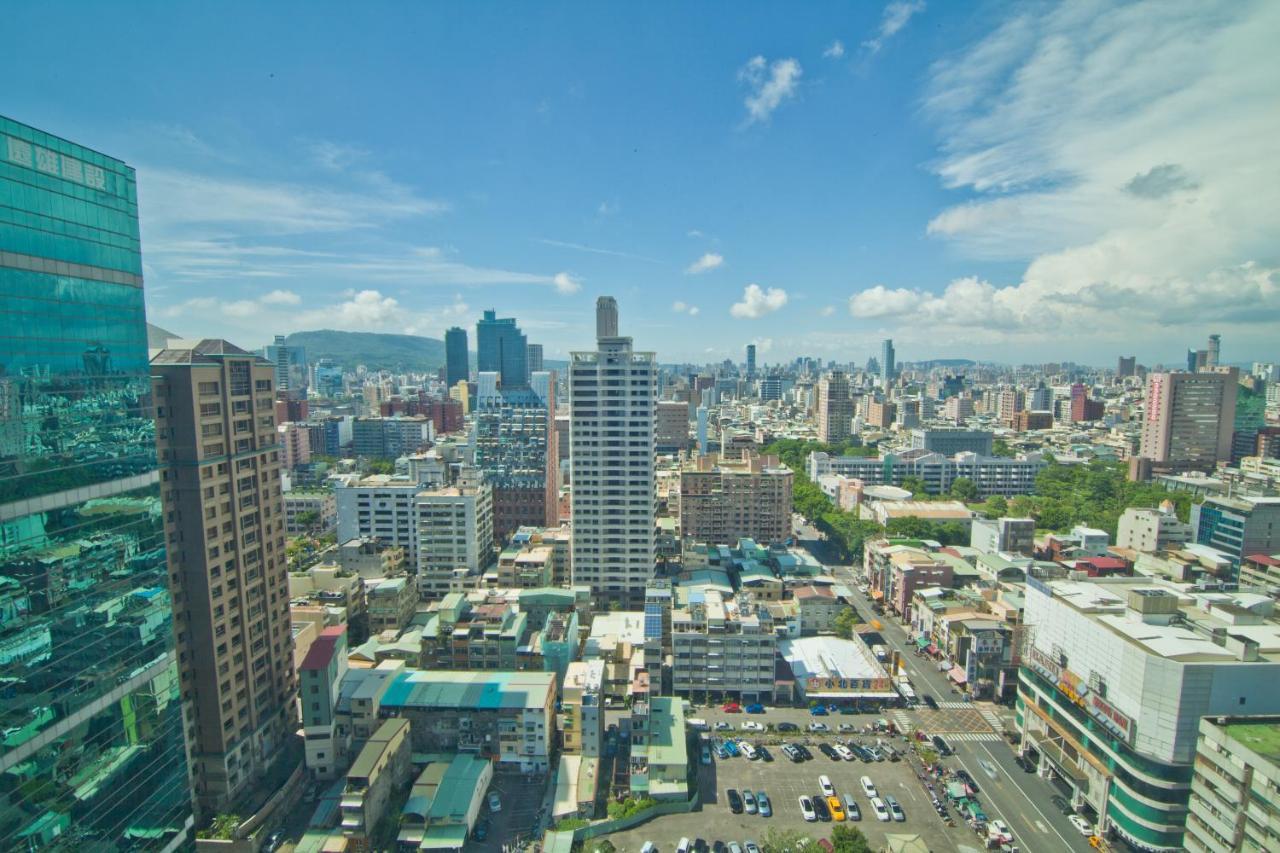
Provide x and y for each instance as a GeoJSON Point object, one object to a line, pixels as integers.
{"type": "Point", "coordinates": [722, 726]}
{"type": "Point", "coordinates": [868, 787]}
{"type": "Point", "coordinates": [749, 802]}
{"type": "Point", "coordinates": [495, 802]}
{"type": "Point", "coordinates": [1082, 826]}
{"type": "Point", "coordinates": [752, 726]}
{"type": "Point", "coordinates": [806, 809]}
{"type": "Point", "coordinates": [881, 810]}
{"type": "Point", "coordinates": [818, 727]}
{"type": "Point", "coordinates": [824, 783]}
{"type": "Point", "coordinates": [748, 751]}
{"type": "Point", "coordinates": [844, 752]}
{"type": "Point", "coordinates": [999, 831]}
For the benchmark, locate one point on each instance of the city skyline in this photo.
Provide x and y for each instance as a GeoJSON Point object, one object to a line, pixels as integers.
{"type": "Point", "coordinates": [915, 189]}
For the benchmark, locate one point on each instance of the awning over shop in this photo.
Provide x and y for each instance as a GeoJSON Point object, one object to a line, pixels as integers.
{"type": "Point", "coordinates": [957, 675]}
{"type": "Point", "coordinates": [877, 594]}
{"type": "Point", "coordinates": [922, 642]}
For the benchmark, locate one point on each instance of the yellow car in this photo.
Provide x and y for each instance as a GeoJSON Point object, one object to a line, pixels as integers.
{"type": "Point", "coordinates": [836, 807]}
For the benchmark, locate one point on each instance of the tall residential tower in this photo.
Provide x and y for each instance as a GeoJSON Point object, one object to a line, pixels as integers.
{"type": "Point", "coordinates": [612, 399]}
{"type": "Point", "coordinates": [456, 368]}
{"type": "Point", "coordinates": [224, 520]}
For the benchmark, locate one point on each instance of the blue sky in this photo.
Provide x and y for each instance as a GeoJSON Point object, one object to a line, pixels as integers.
{"type": "Point", "coordinates": [1020, 182]}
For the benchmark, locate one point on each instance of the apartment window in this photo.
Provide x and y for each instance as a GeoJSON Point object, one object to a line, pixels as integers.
{"type": "Point", "coordinates": [208, 389]}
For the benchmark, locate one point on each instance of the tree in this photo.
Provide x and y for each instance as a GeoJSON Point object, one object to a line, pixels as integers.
{"type": "Point", "coordinates": [381, 466]}
{"type": "Point", "coordinates": [309, 519]}
{"type": "Point", "coordinates": [996, 506]}
{"type": "Point", "coordinates": [787, 841]}
{"type": "Point", "coordinates": [1000, 447]}
{"type": "Point", "coordinates": [844, 622]}
{"type": "Point", "coordinates": [849, 839]}
{"type": "Point", "coordinates": [917, 487]}
{"type": "Point", "coordinates": [964, 489]}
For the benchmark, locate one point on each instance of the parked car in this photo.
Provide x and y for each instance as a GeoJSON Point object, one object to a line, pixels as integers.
{"type": "Point", "coordinates": [818, 711]}
{"type": "Point", "coordinates": [735, 800]}
{"type": "Point", "coordinates": [735, 847]}
{"type": "Point", "coordinates": [754, 708]}
{"type": "Point", "coordinates": [722, 726]}
{"type": "Point", "coordinates": [748, 751]}
{"type": "Point", "coordinates": [969, 780]}
{"type": "Point", "coordinates": [705, 754]}
{"type": "Point", "coordinates": [804, 752]}
{"type": "Point", "coordinates": [846, 727]}
{"type": "Point", "coordinates": [649, 847]}
{"type": "Point", "coordinates": [894, 808]}
{"type": "Point", "coordinates": [1060, 803]}
{"type": "Point", "coordinates": [999, 831]}
{"type": "Point", "coordinates": [762, 803]}
{"type": "Point", "coordinates": [836, 808]}
{"type": "Point", "coordinates": [824, 782]}
{"type": "Point", "coordinates": [788, 727]}
{"type": "Point", "coordinates": [818, 727]}
{"type": "Point", "coordinates": [752, 726]}
{"type": "Point", "coordinates": [749, 802]}
{"type": "Point", "coordinates": [829, 751]}
{"type": "Point", "coordinates": [868, 787]}
{"type": "Point", "coordinates": [684, 845]}
{"type": "Point", "coordinates": [820, 806]}
{"type": "Point", "coordinates": [750, 847]}
{"type": "Point", "coordinates": [273, 842]}
{"type": "Point", "coordinates": [495, 802]}
{"type": "Point", "coordinates": [844, 752]}
{"type": "Point", "coordinates": [481, 830]}
{"type": "Point", "coordinates": [806, 809]}
{"type": "Point", "coordinates": [1082, 826]}
{"type": "Point", "coordinates": [792, 753]}
{"type": "Point", "coordinates": [731, 708]}
{"type": "Point", "coordinates": [851, 807]}
{"type": "Point", "coordinates": [763, 752]}
{"type": "Point", "coordinates": [881, 810]}
{"type": "Point", "coordinates": [941, 745]}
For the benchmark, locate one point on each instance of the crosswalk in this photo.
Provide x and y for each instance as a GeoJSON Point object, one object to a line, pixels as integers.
{"type": "Point", "coordinates": [991, 717]}
{"type": "Point", "coordinates": [902, 721]}
{"type": "Point", "coordinates": [971, 736]}
{"type": "Point", "coordinates": [955, 706]}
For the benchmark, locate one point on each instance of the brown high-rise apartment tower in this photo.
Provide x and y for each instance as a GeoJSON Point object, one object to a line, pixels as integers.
{"type": "Point", "coordinates": [225, 528]}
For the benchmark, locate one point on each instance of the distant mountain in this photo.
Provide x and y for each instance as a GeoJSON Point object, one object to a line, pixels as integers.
{"type": "Point", "coordinates": [375, 350]}
{"type": "Point", "coordinates": [944, 362]}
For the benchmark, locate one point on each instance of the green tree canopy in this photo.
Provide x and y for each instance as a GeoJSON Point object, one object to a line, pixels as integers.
{"type": "Point", "coordinates": [787, 841]}
{"type": "Point", "coordinates": [849, 839]}
{"type": "Point", "coordinates": [964, 489]}
{"type": "Point", "coordinates": [844, 622]}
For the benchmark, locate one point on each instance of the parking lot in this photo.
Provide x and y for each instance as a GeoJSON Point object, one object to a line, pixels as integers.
{"type": "Point", "coordinates": [785, 782]}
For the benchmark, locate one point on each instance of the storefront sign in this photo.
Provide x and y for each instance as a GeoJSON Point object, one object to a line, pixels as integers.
{"type": "Point", "coordinates": [1045, 665]}
{"type": "Point", "coordinates": [1106, 713]}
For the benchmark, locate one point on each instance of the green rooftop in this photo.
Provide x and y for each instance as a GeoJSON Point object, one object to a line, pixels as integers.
{"type": "Point", "coordinates": [1262, 738]}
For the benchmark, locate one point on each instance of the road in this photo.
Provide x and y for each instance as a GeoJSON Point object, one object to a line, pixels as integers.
{"type": "Point", "coordinates": [1022, 800]}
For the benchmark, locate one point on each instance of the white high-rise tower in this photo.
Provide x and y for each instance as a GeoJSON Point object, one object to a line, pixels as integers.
{"type": "Point", "coordinates": [612, 402]}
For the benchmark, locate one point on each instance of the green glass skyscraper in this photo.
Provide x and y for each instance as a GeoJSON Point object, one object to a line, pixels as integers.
{"type": "Point", "coordinates": [92, 753]}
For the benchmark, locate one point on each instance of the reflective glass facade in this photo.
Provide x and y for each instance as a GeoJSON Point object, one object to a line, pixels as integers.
{"type": "Point", "coordinates": [92, 755]}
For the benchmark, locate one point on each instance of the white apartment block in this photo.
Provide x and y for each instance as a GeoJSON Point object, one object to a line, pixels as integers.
{"type": "Point", "coordinates": [1150, 530]}
{"type": "Point", "coordinates": [1235, 792]}
{"type": "Point", "coordinates": [380, 506]}
{"type": "Point", "coordinates": [720, 648]}
{"type": "Point", "coordinates": [455, 537]}
{"type": "Point", "coordinates": [612, 401]}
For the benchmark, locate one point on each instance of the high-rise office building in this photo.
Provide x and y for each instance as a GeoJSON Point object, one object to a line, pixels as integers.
{"type": "Point", "coordinates": [751, 361]}
{"type": "Point", "coordinates": [606, 317]}
{"type": "Point", "coordinates": [1082, 407]}
{"type": "Point", "coordinates": [456, 367]}
{"type": "Point", "coordinates": [612, 399]}
{"type": "Point", "coordinates": [503, 349]}
{"type": "Point", "coordinates": [224, 519]}
{"type": "Point", "coordinates": [835, 408]}
{"type": "Point", "coordinates": [515, 446]}
{"type": "Point", "coordinates": [1213, 351]}
{"type": "Point", "coordinates": [1189, 419]}
{"type": "Point", "coordinates": [290, 363]}
{"type": "Point", "coordinates": [535, 358]}
{"type": "Point", "coordinates": [888, 363]}
{"type": "Point", "coordinates": [1127, 366]}
{"type": "Point", "coordinates": [93, 753]}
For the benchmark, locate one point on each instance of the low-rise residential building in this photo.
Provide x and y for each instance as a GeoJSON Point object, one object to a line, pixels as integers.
{"type": "Point", "coordinates": [444, 804]}
{"type": "Point", "coordinates": [1150, 530]}
{"type": "Point", "coordinates": [720, 649]}
{"type": "Point", "coordinates": [1115, 676]}
{"type": "Point", "coordinates": [582, 708]}
{"type": "Point", "coordinates": [1261, 571]}
{"type": "Point", "coordinates": [1081, 543]}
{"type": "Point", "coordinates": [818, 607]}
{"type": "Point", "coordinates": [390, 603]}
{"type": "Point", "coordinates": [940, 511]}
{"type": "Point", "coordinates": [370, 558]}
{"type": "Point", "coordinates": [1234, 803]}
{"type": "Point", "coordinates": [488, 636]}
{"type": "Point", "coordinates": [320, 682]}
{"type": "Point", "coordinates": [381, 768]}
{"type": "Point", "coordinates": [312, 511]}
{"type": "Point", "coordinates": [992, 475]}
{"type": "Point", "coordinates": [505, 717]}
{"type": "Point", "coordinates": [330, 586]}
{"type": "Point", "coordinates": [659, 752]}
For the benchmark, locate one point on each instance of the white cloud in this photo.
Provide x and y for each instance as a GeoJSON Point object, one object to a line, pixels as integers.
{"type": "Point", "coordinates": [281, 297]}
{"type": "Point", "coordinates": [835, 50]}
{"type": "Point", "coordinates": [706, 263]}
{"type": "Point", "coordinates": [565, 283]}
{"type": "Point", "coordinates": [757, 302]}
{"type": "Point", "coordinates": [894, 17]}
{"type": "Point", "coordinates": [594, 250]}
{"type": "Point", "coordinates": [685, 308]}
{"type": "Point", "coordinates": [1130, 188]}
{"type": "Point", "coordinates": [827, 310]}
{"type": "Point", "coordinates": [693, 310]}
{"type": "Point", "coordinates": [366, 309]}
{"type": "Point", "coordinates": [763, 345]}
{"type": "Point", "coordinates": [608, 208]}
{"type": "Point", "coordinates": [769, 84]}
